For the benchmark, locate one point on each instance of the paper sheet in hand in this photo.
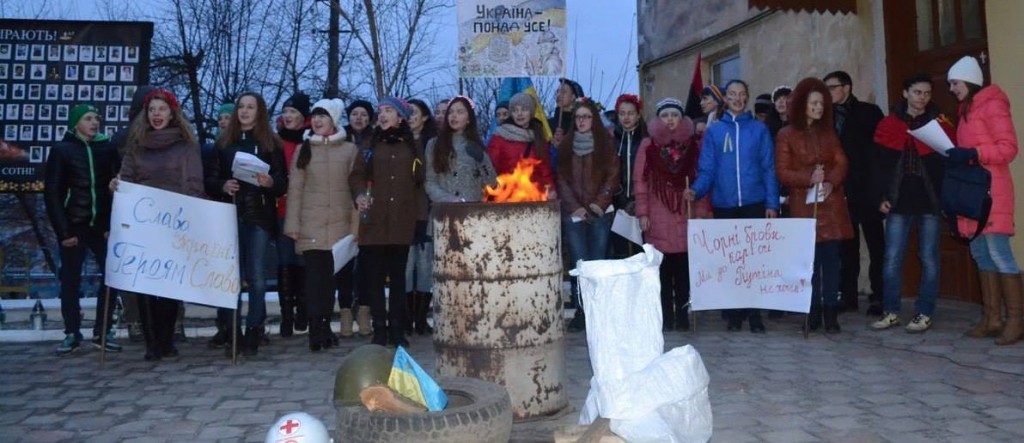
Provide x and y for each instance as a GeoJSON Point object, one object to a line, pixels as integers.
{"type": "Point", "coordinates": [628, 227]}
{"type": "Point", "coordinates": [932, 135]}
{"type": "Point", "coordinates": [343, 251]}
{"type": "Point", "coordinates": [815, 191]}
{"type": "Point", "coordinates": [246, 166]}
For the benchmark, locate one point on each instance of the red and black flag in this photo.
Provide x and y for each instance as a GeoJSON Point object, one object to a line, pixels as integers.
{"type": "Point", "coordinates": [696, 88]}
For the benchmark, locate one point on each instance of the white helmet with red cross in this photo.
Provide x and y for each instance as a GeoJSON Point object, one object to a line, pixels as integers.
{"type": "Point", "coordinates": [298, 427]}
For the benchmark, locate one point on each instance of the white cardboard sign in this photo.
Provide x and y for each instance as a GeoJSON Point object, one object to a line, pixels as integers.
{"type": "Point", "coordinates": [751, 263]}
{"type": "Point", "coordinates": [174, 246]}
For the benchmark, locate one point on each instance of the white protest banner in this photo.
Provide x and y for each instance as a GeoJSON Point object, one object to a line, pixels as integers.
{"type": "Point", "coordinates": [499, 38]}
{"type": "Point", "coordinates": [174, 246]}
{"type": "Point", "coordinates": [751, 263]}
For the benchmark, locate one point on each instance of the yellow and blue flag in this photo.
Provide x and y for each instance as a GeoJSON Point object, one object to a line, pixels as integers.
{"type": "Point", "coordinates": [410, 380]}
{"type": "Point", "coordinates": [513, 85]}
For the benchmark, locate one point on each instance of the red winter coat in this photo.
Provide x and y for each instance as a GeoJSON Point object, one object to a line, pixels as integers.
{"type": "Point", "coordinates": [291, 140]}
{"type": "Point", "coordinates": [988, 127]}
{"type": "Point", "coordinates": [667, 231]}
{"type": "Point", "coordinates": [505, 154]}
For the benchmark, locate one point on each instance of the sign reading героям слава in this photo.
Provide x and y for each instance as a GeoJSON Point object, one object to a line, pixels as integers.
{"type": "Point", "coordinates": [46, 68]}
{"type": "Point", "coordinates": [501, 38]}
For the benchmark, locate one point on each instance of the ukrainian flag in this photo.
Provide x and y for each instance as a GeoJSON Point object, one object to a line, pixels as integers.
{"type": "Point", "coordinates": [410, 380]}
{"type": "Point", "coordinates": [513, 85]}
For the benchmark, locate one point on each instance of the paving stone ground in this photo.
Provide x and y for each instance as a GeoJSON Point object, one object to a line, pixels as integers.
{"type": "Point", "coordinates": [858, 386]}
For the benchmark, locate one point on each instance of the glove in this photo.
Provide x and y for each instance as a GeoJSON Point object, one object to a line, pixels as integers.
{"type": "Point", "coordinates": [960, 155]}
{"type": "Point", "coordinates": [420, 235]}
{"type": "Point", "coordinates": [474, 151]}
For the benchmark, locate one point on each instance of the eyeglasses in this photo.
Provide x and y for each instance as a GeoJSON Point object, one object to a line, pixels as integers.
{"type": "Point", "coordinates": [834, 87]}
{"type": "Point", "coordinates": [584, 117]}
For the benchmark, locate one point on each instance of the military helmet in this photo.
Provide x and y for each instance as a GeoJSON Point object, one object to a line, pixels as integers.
{"type": "Point", "coordinates": [365, 366]}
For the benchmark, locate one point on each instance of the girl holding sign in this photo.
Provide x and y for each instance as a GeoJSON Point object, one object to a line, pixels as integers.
{"type": "Point", "coordinates": [665, 164]}
{"type": "Point", "coordinates": [255, 198]}
{"type": "Point", "coordinates": [809, 158]}
{"type": "Point", "coordinates": [162, 152]}
{"type": "Point", "coordinates": [321, 211]}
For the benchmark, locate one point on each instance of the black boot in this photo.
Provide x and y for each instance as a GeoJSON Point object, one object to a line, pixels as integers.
{"type": "Point", "coordinates": [682, 319]}
{"type": "Point", "coordinates": [380, 335]}
{"type": "Point", "coordinates": [315, 337]}
{"type": "Point", "coordinates": [734, 318]}
{"type": "Point", "coordinates": [298, 275]}
{"type": "Point", "coordinates": [148, 330]}
{"type": "Point", "coordinates": [327, 336]}
{"type": "Point", "coordinates": [832, 320]}
{"type": "Point", "coordinates": [397, 337]}
{"type": "Point", "coordinates": [814, 317]}
{"type": "Point", "coordinates": [579, 321]}
{"type": "Point", "coordinates": [236, 343]}
{"type": "Point", "coordinates": [422, 309]}
{"type": "Point", "coordinates": [221, 338]}
{"type": "Point", "coordinates": [285, 286]}
{"type": "Point", "coordinates": [756, 324]}
{"type": "Point", "coordinates": [252, 340]}
{"type": "Point", "coordinates": [410, 307]}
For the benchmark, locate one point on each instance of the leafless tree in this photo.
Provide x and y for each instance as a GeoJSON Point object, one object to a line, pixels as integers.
{"type": "Point", "coordinates": [393, 41]}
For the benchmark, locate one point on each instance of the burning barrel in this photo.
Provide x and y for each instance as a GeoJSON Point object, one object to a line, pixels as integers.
{"type": "Point", "coordinates": [498, 313]}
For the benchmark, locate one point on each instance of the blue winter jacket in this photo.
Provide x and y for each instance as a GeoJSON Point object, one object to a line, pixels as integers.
{"type": "Point", "coordinates": [737, 163]}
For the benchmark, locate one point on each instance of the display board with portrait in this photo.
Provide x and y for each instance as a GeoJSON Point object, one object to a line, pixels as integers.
{"type": "Point", "coordinates": [49, 66]}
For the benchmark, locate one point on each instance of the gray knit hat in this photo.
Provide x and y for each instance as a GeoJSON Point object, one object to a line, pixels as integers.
{"type": "Point", "coordinates": [523, 100]}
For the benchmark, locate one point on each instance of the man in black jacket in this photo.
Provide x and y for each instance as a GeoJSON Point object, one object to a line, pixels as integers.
{"type": "Point", "coordinates": [78, 203]}
{"type": "Point", "coordinates": [855, 122]}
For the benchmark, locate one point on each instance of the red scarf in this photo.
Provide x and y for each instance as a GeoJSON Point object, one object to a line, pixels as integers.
{"type": "Point", "coordinates": [668, 167]}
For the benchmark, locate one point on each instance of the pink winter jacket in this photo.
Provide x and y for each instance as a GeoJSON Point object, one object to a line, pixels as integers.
{"type": "Point", "coordinates": [667, 230]}
{"type": "Point", "coordinates": [988, 127]}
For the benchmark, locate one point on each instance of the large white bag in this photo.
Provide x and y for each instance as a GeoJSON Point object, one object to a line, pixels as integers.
{"type": "Point", "coordinates": [647, 395]}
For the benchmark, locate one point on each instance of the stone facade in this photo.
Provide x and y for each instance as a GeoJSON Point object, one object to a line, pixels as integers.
{"type": "Point", "coordinates": [774, 47]}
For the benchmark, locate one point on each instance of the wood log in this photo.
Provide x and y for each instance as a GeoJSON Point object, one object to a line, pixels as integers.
{"type": "Point", "coordinates": [384, 399]}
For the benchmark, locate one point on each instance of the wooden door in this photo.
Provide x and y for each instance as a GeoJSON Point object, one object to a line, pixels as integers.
{"type": "Point", "coordinates": [929, 36]}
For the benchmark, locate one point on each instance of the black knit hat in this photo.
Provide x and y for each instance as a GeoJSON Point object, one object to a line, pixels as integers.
{"type": "Point", "coordinates": [360, 104]}
{"type": "Point", "coordinates": [299, 101]}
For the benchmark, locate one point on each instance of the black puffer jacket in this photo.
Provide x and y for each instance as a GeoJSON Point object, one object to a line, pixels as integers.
{"type": "Point", "coordinates": [77, 178]}
{"type": "Point", "coordinates": [255, 204]}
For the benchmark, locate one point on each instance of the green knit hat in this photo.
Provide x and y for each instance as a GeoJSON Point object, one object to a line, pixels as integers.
{"type": "Point", "coordinates": [78, 112]}
{"type": "Point", "coordinates": [226, 108]}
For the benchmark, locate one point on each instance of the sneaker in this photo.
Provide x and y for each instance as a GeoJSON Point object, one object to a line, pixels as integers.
{"type": "Point", "coordinates": [887, 321]}
{"type": "Point", "coordinates": [69, 345]}
{"type": "Point", "coordinates": [111, 345]}
{"type": "Point", "coordinates": [919, 324]}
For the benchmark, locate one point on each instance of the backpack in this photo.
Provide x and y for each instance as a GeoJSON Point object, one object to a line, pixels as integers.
{"type": "Point", "coordinates": [966, 192]}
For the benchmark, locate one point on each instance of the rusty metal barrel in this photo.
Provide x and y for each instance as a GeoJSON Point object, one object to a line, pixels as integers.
{"type": "Point", "coordinates": [497, 300]}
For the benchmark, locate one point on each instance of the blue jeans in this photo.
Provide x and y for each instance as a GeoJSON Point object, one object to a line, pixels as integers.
{"type": "Point", "coordinates": [586, 241]}
{"type": "Point", "coordinates": [993, 254]}
{"type": "Point", "coordinates": [253, 242]}
{"type": "Point", "coordinates": [897, 236]}
{"type": "Point", "coordinates": [825, 281]}
{"type": "Point", "coordinates": [286, 254]}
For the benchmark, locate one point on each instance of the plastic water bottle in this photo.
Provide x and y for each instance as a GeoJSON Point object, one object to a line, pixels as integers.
{"type": "Point", "coordinates": [38, 316]}
{"type": "Point", "coordinates": [364, 215]}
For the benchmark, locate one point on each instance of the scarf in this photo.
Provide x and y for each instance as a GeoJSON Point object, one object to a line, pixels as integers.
{"type": "Point", "coordinates": [514, 133]}
{"type": "Point", "coordinates": [667, 169]}
{"type": "Point", "coordinates": [159, 139]}
{"type": "Point", "coordinates": [583, 143]}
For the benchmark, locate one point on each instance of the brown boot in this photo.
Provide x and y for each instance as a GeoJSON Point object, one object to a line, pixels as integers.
{"type": "Point", "coordinates": [991, 323]}
{"type": "Point", "coordinates": [1014, 299]}
{"type": "Point", "coordinates": [346, 323]}
{"type": "Point", "coordinates": [363, 321]}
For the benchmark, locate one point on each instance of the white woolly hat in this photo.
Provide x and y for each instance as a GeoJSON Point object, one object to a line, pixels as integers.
{"type": "Point", "coordinates": [967, 69]}
{"type": "Point", "coordinates": [335, 107]}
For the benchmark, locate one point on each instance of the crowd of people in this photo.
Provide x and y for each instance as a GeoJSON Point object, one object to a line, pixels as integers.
{"type": "Point", "coordinates": [829, 155]}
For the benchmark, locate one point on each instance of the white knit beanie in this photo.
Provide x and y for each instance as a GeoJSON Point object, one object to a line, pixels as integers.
{"type": "Point", "coordinates": [967, 69]}
{"type": "Point", "coordinates": [335, 107]}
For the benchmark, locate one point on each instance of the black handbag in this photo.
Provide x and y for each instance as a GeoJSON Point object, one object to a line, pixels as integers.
{"type": "Point", "coordinates": [966, 192]}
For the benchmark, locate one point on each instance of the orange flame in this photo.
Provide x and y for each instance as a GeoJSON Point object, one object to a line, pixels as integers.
{"type": "Point", "coordinates": [517, 187]}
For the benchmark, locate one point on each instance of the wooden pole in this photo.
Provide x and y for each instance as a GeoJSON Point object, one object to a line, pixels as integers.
{"type": "Point", "coordinates": [104, 324]}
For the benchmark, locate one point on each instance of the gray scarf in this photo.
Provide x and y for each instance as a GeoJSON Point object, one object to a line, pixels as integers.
{"type": "Point", "coordinates": [514, 133]}
{"type": "Point", "coordinates": [583, 143]}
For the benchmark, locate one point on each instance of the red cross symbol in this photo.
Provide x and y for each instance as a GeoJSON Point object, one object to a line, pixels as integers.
{"type": "Point", "coordinates": [289, 427]}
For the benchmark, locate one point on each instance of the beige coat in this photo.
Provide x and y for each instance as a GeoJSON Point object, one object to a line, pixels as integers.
{"type": "Point", "coordinates": [321, 206]}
